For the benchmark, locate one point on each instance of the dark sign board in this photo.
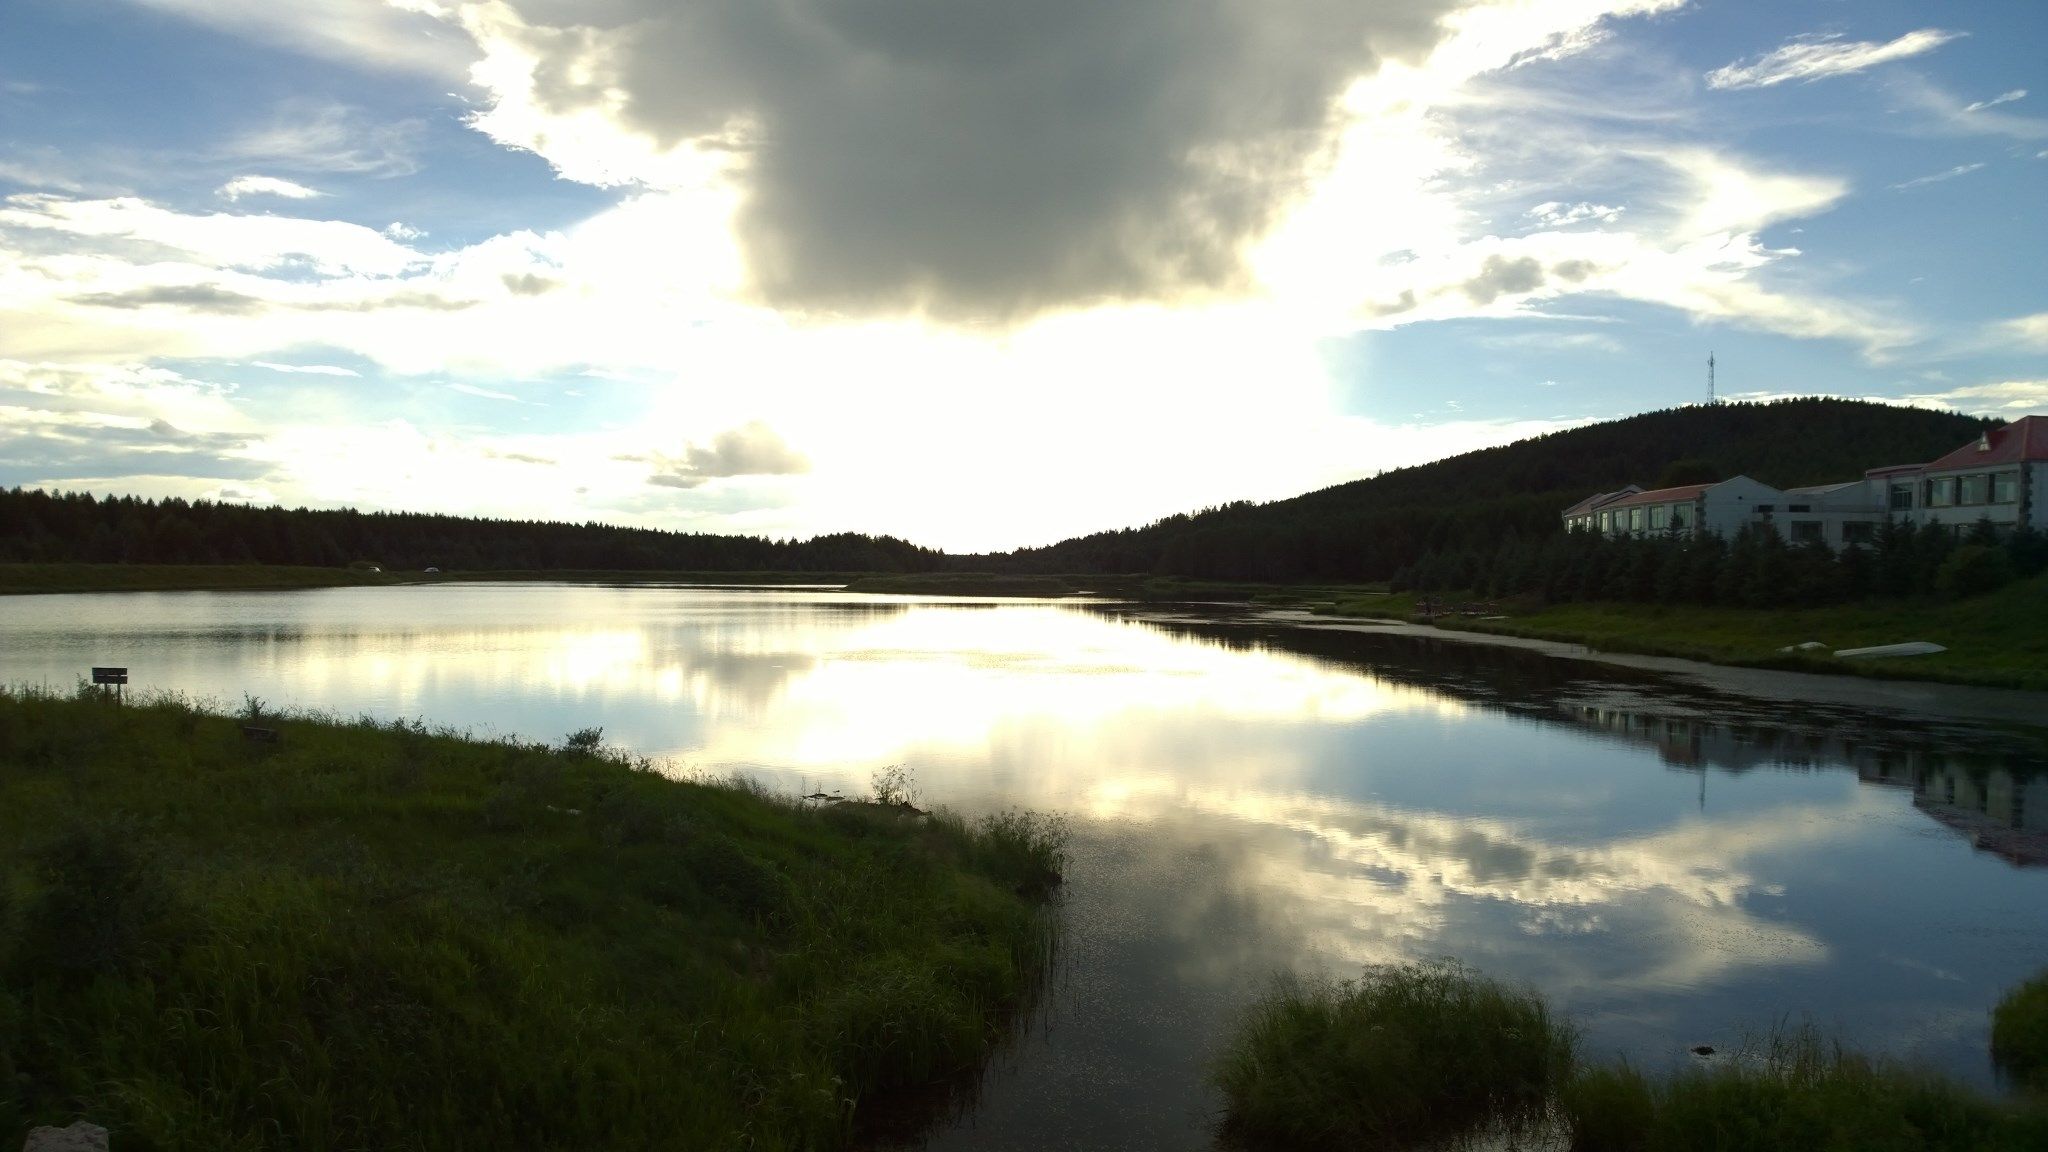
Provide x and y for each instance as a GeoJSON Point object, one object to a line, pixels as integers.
{"type": "Point", "coordinates": [110, 675]}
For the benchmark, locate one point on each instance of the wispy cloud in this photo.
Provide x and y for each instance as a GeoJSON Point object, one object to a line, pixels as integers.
{"type": "Point", "coordinates": [486, 393]}
{"type": "Point", "coordinates": [1936, 178]}
{"type": "Point", "coordinates": [312, 136]}
{"type": "Point", "coordinates": [1995, 101]}
{"type": "Point", "coordinates": [2006, 397]}
{"type": "Point", "coordinates": [242, 186]}
{"type": "Point", "coordinates": [2028, 330]}
{"type": "Point", "coordinates": [1820, 55]}
{"type": "Point", "coordinates": [308, 369]}
{"type": "Point", "coordinates": [1555, 214]}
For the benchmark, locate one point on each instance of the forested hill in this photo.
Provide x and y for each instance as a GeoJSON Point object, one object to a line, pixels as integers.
{"type": "Point", "coordinates": [1364, 530]}
{"type": "Point", "coordinates": [1370, 529]}
{"type": "Point", "coordinates": [39, 527]}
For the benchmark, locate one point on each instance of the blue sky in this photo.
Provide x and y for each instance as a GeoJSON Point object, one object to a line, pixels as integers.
{"type": "Point", "coordinates": [978, 275]}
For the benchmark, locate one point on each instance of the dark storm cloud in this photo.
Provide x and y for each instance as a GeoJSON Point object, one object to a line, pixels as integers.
{"type": "Point", "coordinates": [985, 158]}
{"type": "Point", "coordinates": [749, 450]}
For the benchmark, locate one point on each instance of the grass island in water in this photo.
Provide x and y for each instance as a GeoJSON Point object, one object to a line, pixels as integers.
{"type": "Point", "coordinates": [380, 936]}
{"type": "Point", "coordinates": [1438, 1056]}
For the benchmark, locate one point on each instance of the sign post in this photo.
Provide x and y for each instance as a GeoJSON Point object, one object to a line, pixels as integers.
{"type": "Point", "coordinates": [115, 678]}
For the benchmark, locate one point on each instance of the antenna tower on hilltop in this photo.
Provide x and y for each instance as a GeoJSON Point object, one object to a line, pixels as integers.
{"type": "Point", "coordinates": [1710, 379]}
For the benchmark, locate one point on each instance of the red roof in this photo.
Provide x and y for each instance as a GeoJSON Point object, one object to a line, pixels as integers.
{"type": "Point", "coordinates": [1597, 499]}
{"type": "Point", "coordinates": [2024, 439]}
{"type": "Point", "coordinates": [1660, 496]}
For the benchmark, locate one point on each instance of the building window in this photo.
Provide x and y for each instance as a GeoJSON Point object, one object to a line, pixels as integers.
{"type": "Point", "coordinates": [1678, 517]}
{"type": "Point", "coordinates": [1941, 493]}
{"type": "Point", "coordinates": [1902, 497]}
{"type": "Point", "coordinates": [1806, 532]}
{"type": "Point", "coordinates": [1766, 509]}
{"type": "Point", "coordinates": [1974, 489]}
{"type": "Point", "coordinates": [2005, 487]}
{"type": "Point", "coordinates": [1635, 519]}
{"type": "Point", "coordinates": [1798, 507]}
{"type": "Point", "coordinates": [1857, 532]}
{"type": "Point", "coordinates": [1657, 513]}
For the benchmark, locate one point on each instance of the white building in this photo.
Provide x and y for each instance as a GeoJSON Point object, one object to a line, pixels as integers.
{"type": "Point", "coordinates": [2002, 476]}
{"type": "Point", "coordinates": [1721, 508]}
{"type": "Point", "coordinates": [1999, 477]}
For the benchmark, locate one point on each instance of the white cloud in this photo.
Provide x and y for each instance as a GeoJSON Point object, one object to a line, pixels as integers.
{"type": "Point", "coordinates": [358, 33]}
{"type": "Point", "coordinates": [242, 186]}
{"type": "Point", "coordinates": [2029, 330]}
{"type": "Point", "coordinates": [240, 494]}
{"type": "Point", "coordinates": [1938, 177]}
{"type": "Point", "coordinates": [486, 393]}
{"type": "Point", "coordinates": [2006, 398]}
{"type": "Point", "coordinates": [1820, 55]}
{"type": "Point", "coordinates": [308, 369]}
{"type": "Point", "coordinates": [752, 449]}
{"type": "Point", "coordinates": [1399, 220]}
{"type": "Point", "coordinates": [1553, 214]}
{"type": "Point", "coordinates": [144, 232]}
{"type": "Point", "coordinates": [323, 136]}
{"type": "Point", "coordinates": [1995, 101]}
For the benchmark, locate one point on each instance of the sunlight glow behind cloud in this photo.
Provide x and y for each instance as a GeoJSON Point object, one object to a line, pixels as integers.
{"type": "Point", "coordinates": [1044, 271]}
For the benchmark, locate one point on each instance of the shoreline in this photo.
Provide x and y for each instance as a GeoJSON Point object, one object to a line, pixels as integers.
{"type": "Point", "coordinates": [1934, 699]}
{"type": "Point", "coordinates": [1890, 684]}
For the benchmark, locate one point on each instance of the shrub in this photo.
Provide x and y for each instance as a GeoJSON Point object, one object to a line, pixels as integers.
{"type": "Point", "coordinates": [1973, 570]}
{"type": "Point", "coordinates": [103, 897]}
{"type": "Point", "coordinates": [2019, 1034]}
{"type": "Point", "coordinates": [1407, 1054]}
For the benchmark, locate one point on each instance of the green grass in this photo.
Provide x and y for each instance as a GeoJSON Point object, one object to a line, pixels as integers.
{"type": "Point", "coordinates": [1437, 1055]}
{"type": "Point", "coordinates": [1792, 1091]}
{"type": "Point", "coordinates": [1404, 1055]}
{"type": "Point", "coordinates": [2019, 1034]}
{"type": "Point", "coordinates": [28, 578]}
{"type": "Point", "coordinates": [381, 936]}
{"type": "Point", "coordinates": [1998, 639]}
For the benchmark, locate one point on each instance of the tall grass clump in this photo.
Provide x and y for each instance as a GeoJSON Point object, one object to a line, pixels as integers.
{"type": "Point", "coordinates": [369, 935]}
{"type": "Point", "coordinates": [1796, 1091]}
{"type": "Point", "coordinates": [2019, 1034]}
{"type": "Point", "coordinates": [1403, 1055]}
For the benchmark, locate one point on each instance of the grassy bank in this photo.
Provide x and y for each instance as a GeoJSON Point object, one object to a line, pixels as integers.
{"type": "Point", "coordinates": [1438, 1055]}
{"type": "Point", "coordinates": [29, 578]}
{"type": "Point", "coordinates": [367, 936]}
{"type": "Point", "coordinates": [1998, 639]}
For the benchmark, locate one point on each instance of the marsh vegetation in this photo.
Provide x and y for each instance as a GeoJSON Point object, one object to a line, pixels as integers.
{"type": "Point", "coordinates": [1438, 1055]}
{"type": "Point", "coordinates": [372, 935]}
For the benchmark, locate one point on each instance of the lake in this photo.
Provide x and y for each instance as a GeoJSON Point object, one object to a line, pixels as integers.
{"type": "Point", "coordinates": [1671, 861]}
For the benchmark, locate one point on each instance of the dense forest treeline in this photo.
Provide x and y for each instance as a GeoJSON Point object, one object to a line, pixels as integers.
{"type": "Point", "coordinates": [1755, 569]}
{"type": "Point", "coordinates": [1371, 529]}
{"type": "Point", "coordinates": [40, 527]}
{"type": "Point", "coordinates": [1367, 530]}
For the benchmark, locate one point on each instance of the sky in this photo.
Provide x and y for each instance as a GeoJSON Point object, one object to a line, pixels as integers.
{"type": "Point", "coordinates": [976, 273]}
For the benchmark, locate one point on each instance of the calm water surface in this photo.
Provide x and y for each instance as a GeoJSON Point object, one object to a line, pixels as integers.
{"type": "Point", "coordinates": [1670, 864]}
